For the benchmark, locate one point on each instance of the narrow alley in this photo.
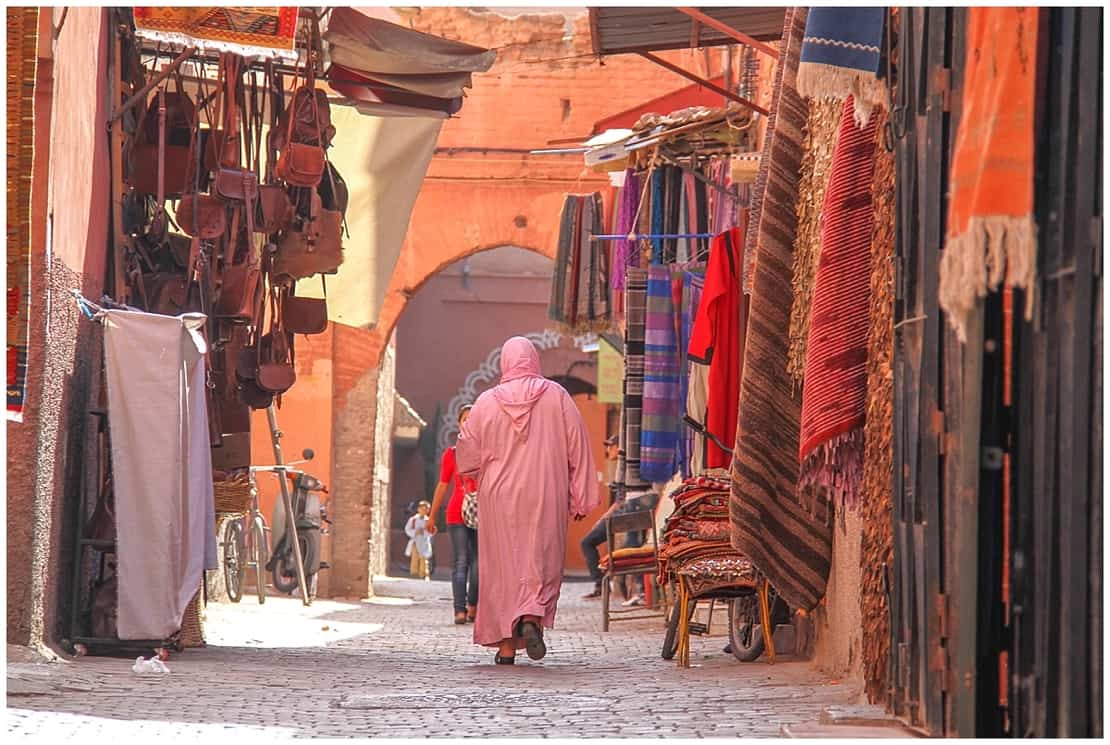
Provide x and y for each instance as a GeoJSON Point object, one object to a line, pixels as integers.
{"type": "Point", "coordinates": [394, 666]}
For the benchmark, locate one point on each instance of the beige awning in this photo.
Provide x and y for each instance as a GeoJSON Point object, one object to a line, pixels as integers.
{"type": "Point", "coordinates": [399, 56]}
{"type": "Point", "coordinates": [383, 159]}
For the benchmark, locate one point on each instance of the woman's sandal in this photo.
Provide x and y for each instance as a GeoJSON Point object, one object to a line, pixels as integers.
{"type": "Point", "coordinates": [471, 614]}
{"type": "Point", "coordinates": [533, 640]}
{"type": "Point", "coordinates": [499, 660]}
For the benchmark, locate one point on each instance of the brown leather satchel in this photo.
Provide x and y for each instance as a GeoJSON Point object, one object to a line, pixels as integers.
{"type": "Point", "coordinates": [167, 294]}
{"type": "Point", "coordinates": [301, 163]}
{"type": "Point", "coordinates": [202, 216]}
{"type": "Point", "coordinates": [305, 315]}
{"type": "Point", "coordinates": [276, 370]}
{"type": "Point", "coordinates": [156, 165]}
{"type": "Point", "coordinates": [274, 209]}
{"type": "Point", "coordinates": [224, 144]}
{"type": "Point", "coordinates": [317, 248]}
{"type": "Point", "coordinates": [238, 293]}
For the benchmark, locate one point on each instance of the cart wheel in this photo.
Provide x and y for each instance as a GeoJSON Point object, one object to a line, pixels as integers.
{"type": "Point", "coordinates": [260, 553]}
{"type": "Point", "coordinates": [670, 639]}
{"type": "Point", "coordinates": [745, 635]}
{"type": "Point", "coordinates": [234, 552]}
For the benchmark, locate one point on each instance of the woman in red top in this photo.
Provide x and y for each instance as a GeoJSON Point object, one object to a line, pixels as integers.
{"type": "Point", "coordinates": [464, 540]}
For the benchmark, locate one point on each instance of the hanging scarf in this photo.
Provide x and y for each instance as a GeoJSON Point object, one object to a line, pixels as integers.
{"type": "Point", "coordinates": [834, 399]}
{"type": "Point", "coordinates": [624, 251]}
{"type": "Point", "coordinates": [991, 230]}
{"type": "Point", "coordinates": [662, 408]}
{"type": "Point", "coordinates": [635, 309]}
{"type": "Point", "coordinates": [841, 57]}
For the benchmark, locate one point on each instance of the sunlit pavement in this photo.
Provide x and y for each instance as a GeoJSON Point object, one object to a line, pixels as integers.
{"type": "Point", "coordinates": [396, 666]}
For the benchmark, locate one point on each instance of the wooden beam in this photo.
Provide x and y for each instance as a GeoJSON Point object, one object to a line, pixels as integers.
{"type": "Point", "coordinates": [729, 31]}
{"type": "Point", "coordinates": [702, 81]}
{"type": "Point", "coordinates": [595, 32]}
{"type": "Point", "coordinates": [695, 34]}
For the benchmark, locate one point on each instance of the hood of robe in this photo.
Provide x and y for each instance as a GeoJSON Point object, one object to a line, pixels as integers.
{"type": "Point", "coordinates": [522, 383]}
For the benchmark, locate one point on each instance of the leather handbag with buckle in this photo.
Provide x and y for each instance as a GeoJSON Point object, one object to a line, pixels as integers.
{"type": "Point", "coordinates": [301, 163]}
{"type": "Point", "coordinates": [305, 315]}
{"type": "Point", "coordinates": [200, 215]}
{"type": "Point", "coordinates": [317, 248]}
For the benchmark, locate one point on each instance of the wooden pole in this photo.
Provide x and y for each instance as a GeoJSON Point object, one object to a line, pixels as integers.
{"type": "Point", "coordinates": [729, 31]}
{"type": "Point", "coordinates": [702, 81]}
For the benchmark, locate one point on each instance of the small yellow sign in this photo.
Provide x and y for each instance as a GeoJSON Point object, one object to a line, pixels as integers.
{"type": "Point", "coordinates": [610, 374]}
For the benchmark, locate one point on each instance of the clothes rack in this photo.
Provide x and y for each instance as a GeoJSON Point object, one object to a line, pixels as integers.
{"type": "Point", "coordinates": [649, 236]}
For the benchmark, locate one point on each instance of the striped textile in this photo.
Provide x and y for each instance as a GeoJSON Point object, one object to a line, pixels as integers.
{"type": "Point", "coordinates": [751, 239]}
{"type": "Point", "coordinates": [580, 284]}
{"type": "Point", "coordinates": [787, 541]}
{"type": "Point", "coordinates": [635, 309]}
{"type": "Point", "coordinates": [662, 404]}
{"type": "Point", "coordinates": [693, 282]}
{"type": "Point", "coordinates": [834, 401]}
{"type": "Point", "coordinates": [824, 123]}
{"type": "Point", "coordinates": [625, 252]}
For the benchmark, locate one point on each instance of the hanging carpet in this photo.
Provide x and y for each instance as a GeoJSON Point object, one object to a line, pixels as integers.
{"type": "Point", "coordinates": [841, 57]}
{"type": "Point", "coordinates": [635, 310]}
{"type": "Point", "coordinates": [662, 405]}
{"type": "Point", "coordinates": [246, 31]}
{"type": "Point", "coordinates": [834, 399]}
{"type": "Point", "coordinates": [788, 542]}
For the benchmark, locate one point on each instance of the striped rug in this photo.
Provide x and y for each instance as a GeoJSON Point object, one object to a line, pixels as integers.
{"type": "Point", "coordinates": [834, 401]}
{"type": "Point", "coordinates": [635, 304]}
{"type": "Point", "coordinates": [662, 404]}
{"type": "Point", "coordinates": [786, 541]}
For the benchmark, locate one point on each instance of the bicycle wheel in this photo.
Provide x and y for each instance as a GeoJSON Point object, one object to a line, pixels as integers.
{"type": "Point", "coordinates": [745, 633]}
{"type": "Point", "coordinates": [259, 555]}
{"type": "Point", "coordinates": [234, 551]}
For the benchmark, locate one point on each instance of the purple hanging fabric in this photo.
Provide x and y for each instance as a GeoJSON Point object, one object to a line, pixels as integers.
{"type": "Point", "coordinates": [724, 209]}
{"type": "Point", "coordinates": [624, 251]}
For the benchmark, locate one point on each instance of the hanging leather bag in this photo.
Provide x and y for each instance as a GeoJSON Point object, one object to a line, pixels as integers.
{"type": "Point", "coordinates": [305, 315]}
{"type": "Point", "coordinates": [223, 143]}
{"type": "Point", "coordinates": [242, 280]}
{"type": "Point", "coordinates": [163, 139]}
{"type": "Point", "coordinates": [315, 248]}
{"type": "Point", "coordinates": [276, 370]}
{"type": "Point", "coordinates": [301, 163]}
{"type": "Point", "coordinates": [274, 209]}
{"type": "Point", "coordinates": [200, 215]}
{"type": "Point", "coordinates": [233, 182]}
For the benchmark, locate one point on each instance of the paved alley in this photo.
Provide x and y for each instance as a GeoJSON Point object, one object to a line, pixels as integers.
{"type": "Point", "coordinates": [395, 666]}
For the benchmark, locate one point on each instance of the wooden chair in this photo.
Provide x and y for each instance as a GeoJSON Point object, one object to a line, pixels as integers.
{"type": "Point", "coordinates": [623, 562]}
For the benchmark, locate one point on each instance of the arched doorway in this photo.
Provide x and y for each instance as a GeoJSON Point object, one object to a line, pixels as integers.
{"type": "Point", "coordinates": [448, 341]}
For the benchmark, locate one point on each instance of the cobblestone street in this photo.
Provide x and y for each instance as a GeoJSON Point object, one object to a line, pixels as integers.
{"type": "Point", "coordinates": [396, 666]}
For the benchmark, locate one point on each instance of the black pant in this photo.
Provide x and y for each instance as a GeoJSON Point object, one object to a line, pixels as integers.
{"type": "Point", "coordinates": [464, 577]}
{"type": "Point", "coordinates": [596, 537]}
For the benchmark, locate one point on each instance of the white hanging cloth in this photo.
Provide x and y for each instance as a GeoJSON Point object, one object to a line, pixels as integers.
{"type": "Point", "coordinates": [161, 465]}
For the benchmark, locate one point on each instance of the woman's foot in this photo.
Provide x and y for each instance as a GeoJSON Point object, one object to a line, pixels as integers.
{"type": "Point", "coordinates": [506, 653]}
{"type": "Point", "coordinates": [471, 613]}
{"type": "Point", "coordinates": [460, 618]}
{"type": "Point", "coordinates": [532, 634]}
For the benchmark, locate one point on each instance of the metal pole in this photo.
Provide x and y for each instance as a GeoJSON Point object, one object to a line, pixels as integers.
{"type": "Point", "coordinates": [290, 518]}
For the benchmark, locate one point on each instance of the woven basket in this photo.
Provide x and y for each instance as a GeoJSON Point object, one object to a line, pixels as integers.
{"type": "Point", "coordinates": [233, 495]}
{"type": "Point", "coordinates": [192, 624]}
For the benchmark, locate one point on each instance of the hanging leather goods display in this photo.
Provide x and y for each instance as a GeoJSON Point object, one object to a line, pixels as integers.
{"type": "Point", "coordinates": [241, 280]}
{"type": "Point", "coordinates": [305, 315]}
{"type": "Point", "coordinates": [233, 182]}
{"type": "Point", "coordinates": [223, 141]}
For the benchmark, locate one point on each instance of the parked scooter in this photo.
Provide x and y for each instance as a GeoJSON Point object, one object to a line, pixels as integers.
{"type": "Point", "coordinates": [311, 517]}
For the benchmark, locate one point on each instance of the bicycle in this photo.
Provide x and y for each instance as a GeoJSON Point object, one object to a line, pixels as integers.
{"type": "Point", "coordinates": [246, 537]}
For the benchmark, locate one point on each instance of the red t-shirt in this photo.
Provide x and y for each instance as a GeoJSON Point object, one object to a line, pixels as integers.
{"type": "Point", "coordinates": [717, 339]}
{"type": "Point", "coordinates": [449, 474]}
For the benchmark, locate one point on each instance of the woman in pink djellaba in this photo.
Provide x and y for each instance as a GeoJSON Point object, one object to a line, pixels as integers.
{"type": "Point", "coordinates": [528, 447]}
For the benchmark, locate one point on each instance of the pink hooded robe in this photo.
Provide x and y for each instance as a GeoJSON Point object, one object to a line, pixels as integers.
{"type": "Point", "coordinates": [526, 443]}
